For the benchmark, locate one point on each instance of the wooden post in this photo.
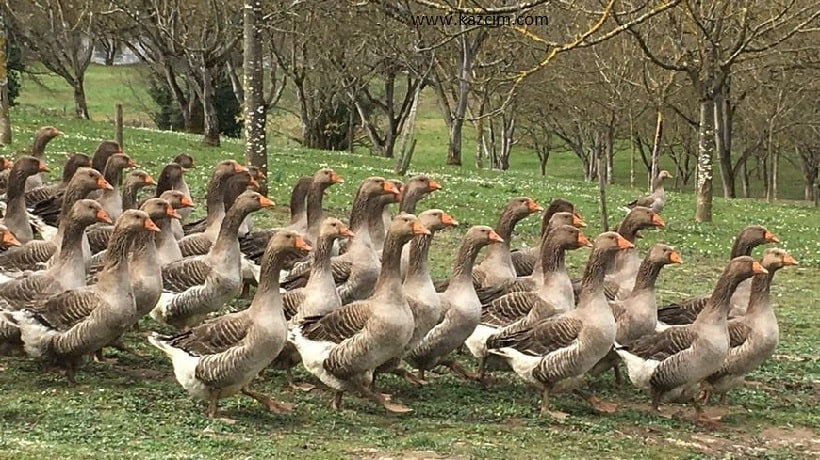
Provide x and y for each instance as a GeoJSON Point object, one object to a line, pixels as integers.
{"type": "Point", "coordinates": [118, 126]}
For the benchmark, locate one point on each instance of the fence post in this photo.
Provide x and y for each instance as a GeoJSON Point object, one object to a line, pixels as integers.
{"type": "Point", "coordinates": [118, 125]}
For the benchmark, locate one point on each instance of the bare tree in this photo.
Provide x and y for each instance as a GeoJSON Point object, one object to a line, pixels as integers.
{"type": "Point", "coordinates": [256, 146]}
{"type": "Point", "coordinates": [5, 102]}
{"type": "Point", "coordinates": [705, 41]}
{"type": "Point", "coordinates": [61, 36]}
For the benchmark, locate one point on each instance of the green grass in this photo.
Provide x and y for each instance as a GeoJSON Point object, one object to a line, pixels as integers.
{"type": "Point", "coordinates": [134, 409]}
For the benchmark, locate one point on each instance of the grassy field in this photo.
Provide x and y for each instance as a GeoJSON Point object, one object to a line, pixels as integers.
{"type": "Point", "coordinates": [135, 409]}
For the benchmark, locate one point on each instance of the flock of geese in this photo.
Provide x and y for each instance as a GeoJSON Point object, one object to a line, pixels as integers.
{"type": "Point", "coordinates": [84, 259]}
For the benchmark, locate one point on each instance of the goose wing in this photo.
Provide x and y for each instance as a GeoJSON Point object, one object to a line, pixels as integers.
{"type": "Point", "coordinates": [683, 312]}
{"type": "Point", "coordinates": [542, 338]}
{"type": "Point", "coordinates": [659, 346]}
{"type": "Point", "coordinates": [63, 311]}
{"type": "Point", "coordinates": [195, 245]}
{"type": "Point", "coordinates": [185, 273]}
{"type": "Point", "coordinates": [28, 256]}
{"type": "Point", "coordinates": [337, 325]}
{"type": "Point", "coordinates": [524, 261]}
{"type": "Point", "coordinates": [509, 308]}
{"type": "Point", "coordinates": [98, 237]}
{"type": "Point", "coordinates": [213, 336]}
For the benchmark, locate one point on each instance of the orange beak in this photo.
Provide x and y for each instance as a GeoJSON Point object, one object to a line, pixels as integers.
{"type": "Point", "coordinates": [103, 216]}
{"type": "Point", "coordinates": [757, 268]}
{"type": "Point", "coordinates": [43, 167]}
{"type": "Point", "coordinates": [345, 231]}
{"type": "Point", "coordinates": [172, 213]}
{"type": "Point", "coordinates": [656, 219]}
{"type": "Point", "coordinates": [578, 215]}
{"type": "Point", "coordinates": [119, 150]}
{"type": "Point", "coordinates": [534, 207]}
{"type": "Point", "coordinates": [239, 168]}
{"type": "Point", "coordinates": [302, 244]}
{"type": "Point", "coordinates": [10, 240]}
{"type": "Point", "coordinates": [789, 260]}
{"type": "Point", "coordinates": [131, 163]}
{"type": "Point", "coordinates": [57, 132]}
{"type": "Point", "coordinates": [102, 183]}
{"type": "Point", "coordinates": [335, 178]}
{"type": "Point", "coordinates": [390, 188]}
{"type": "Point", "coordinates": [583, 241]}
{"type": "Point", "coordinates": [419, 229]}
{"type": "Point", "coordinates": [265, 202]}
{"type": "Point", "coordinates": [259, 174]}
{"type": "Point", "coordinates": [9, 164]}
{"type": "Point", "coordinates": [184, 170]}
{"type": "Point", "coordinates": [150, 225]}
{"type": "Point", "coordinates": [253, 182]}
{"type": "Point", "coordinates": [434, 186]}
{"type": "Point", "coordinates": [495, 237]}
{"type": "Point", "coordinates": [186, 202]}
{"type": "Point", "coordinates": [771, 237]}
{"type": "Point", "coordinates": [623, 243]}
{"type": "Point", "coordinates": [448, 220]}
{"type": "Point", "coordinates": [150, 180]}
{"type": "Point", "coordinates": [578, 222]}
{"type": "Point", "coordinates": [675, 258]}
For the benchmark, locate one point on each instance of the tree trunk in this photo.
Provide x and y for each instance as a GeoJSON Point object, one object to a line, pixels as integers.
{"type": "Point", "coordinates": [469, 48]}
{"type": "Point", "coordinates": [706, 149]}
{"type": "Point", "coordinates": [409, 134]}
{"type": "Point", "coordinates": [631, 150]}
{"type": "Point", "coordinates": [5, 121]}
{"type": "Point", "coordinates": [507, 131]}
{"type": "Point", "coordinates": [656, 150]}
{"type": "Point", "coordinates": [601, 161]}
{"type": "Point", "coordinates": [775, 171]}
{"type": "Point", "coordinates": [744, 176]}
{"type": "Point", "coordinates": [209, 109]}
{"type": "Point", "coordinates": [118, 126]}
{"type": "Point", "coordinates": [723, 147]}
{"type": "Point", "coordinates": [80, 103]}
{"type": "Point", "coordinates": [253, 96]}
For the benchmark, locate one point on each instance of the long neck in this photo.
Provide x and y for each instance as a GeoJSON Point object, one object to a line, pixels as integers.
{"type": "Point", "coordinates": [16, 192]}
{"type": "Point", "coordinates": [465, 260]}
{"type": "Point", "coordinates": [71, 196]}
{"type": "Point", "coordinates": [647, 276]}
{"type": "Point", "coordinates": [113, 174]}
{"type": "Point", "coordinates": [71, 251]}
{"type": "Point", "coordinates": [145, 250]}
{"type": "Point", "coordinates": [657, 186]}
{"type": "Point", "coordinates": [314, 205]}
{"type": "Point", "coordinates": [760, 297]}
{"type": "Point", "coordinates": [297, 203]}
{"type": "Point", "coordinates": [720, 301]}
{"type": "Point", "coordinates": [129, 195]}
{"type": "Point", "coordinates": [419, 255]}
{"type": "Point", "coordinates": [358, 214]}
{"type": "Point", "coordinates": [742, 247]}
{"type": "Point", "coordinates": [594, 273]}
{"type": "Point", "coordinates": [38, 148]}
{"type": "Point", "coordinates": [629, 228]}
{"type": "Point", "coordinates": [267, 293]}
{"type": "Point", "coordinates": [214, 204]}
{"type": "Point", "coordinates": [506, 224]}
{"type": "Point", "coordinates": [411, 199]}
{"type": "Point", "coordinates": [390, 276]}
{"type": "Point", "coordinates": [115, 271]}
{"type": "Point", "coordinates": [322, 255]}
{"type": "Point", "coordinates": [229, 230]}
{"type": "Point", "coordinates": [552, 258]}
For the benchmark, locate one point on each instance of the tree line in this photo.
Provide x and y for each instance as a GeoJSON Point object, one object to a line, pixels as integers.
{"type": "Point", "coordinates": [726, 90]}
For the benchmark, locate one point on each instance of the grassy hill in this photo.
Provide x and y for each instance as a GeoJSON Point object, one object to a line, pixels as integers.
{"type": "Point", "coordinates": [134, 408]}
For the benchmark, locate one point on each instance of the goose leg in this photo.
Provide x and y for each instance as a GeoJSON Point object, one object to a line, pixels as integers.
{"type": "Point", "coordinates": [656, 405]}
{"type": "Point", "coordinates": [703, 418]}
{"type": "Point", "coordinates": [459, 369]}
{"type": "Point", "coordinates": [297, 386]}
{"type": "Point", "coordinates": [337, 401]}
{"type": "Point", "coordinates": [619, 378]}
{"type": "Point", "coordinates": [600, 406]}
{"type": "Point", "coordinates": [724, 399]}
{"type": "Point", "coordinates": [384, 401]}
{"type": "Point", "coordinates": [545, 407]}
{"type": "Point", "coordinates": [213, 410]}
{"type": "Point", "coordinates": [409, 377]}
{"type": "Point", "coordinates": [268, 402]}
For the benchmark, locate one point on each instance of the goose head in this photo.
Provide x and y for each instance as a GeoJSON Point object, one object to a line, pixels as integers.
{"type": "Point", "coordinates": [7, 238]}
{"type": "Point", "coordinates": [89, 179]}
{"type": "Point", "coordinates": [406, 226]}
{"type": "Point", "coordinates": [159, 209]}
{"type": "Point", "coordinates": [483, 235]}
{"type": "Point", "coordinates": [5, 163]}
{"type": "Point", "coordinates": [27, 166]}
{"type": "Point", "coordinates": [138, 177]}
{"type": "Point", "coordinates": [185, 160]}
{"type": "Point", "coordinates": [87, 212]}
{"type": "Point", "coordinates": [663, 254]}
{"type": "Point", "coordinates": [74, 161]}
{"type": "Point", "coordinates": [104, 151]}
{"type": "Point", "coordinates": [436, 220]}
{"type": "Point", "coordinates": [177, 199]}
{"type": "Point", "coordinates": [334, 229]}
{"type": "Point", "coordinates": [134, 221]}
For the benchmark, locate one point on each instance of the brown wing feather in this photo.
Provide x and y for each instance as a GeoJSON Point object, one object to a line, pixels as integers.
{"type": "Point", "coordinates": [291, 301]}
{"type": "Point", "coordinates": [337, 325]}
{"type": "Point", "coordinates": [68, 308]}
{"type": "Point", "coordinates": [183, 274]}
{"type": "Point", "coordinates": [212, 337]}
{"type": "Point", "coordinates": [662, 345]}
{"type": "Point", "coordinates": [509, 308]}
{"type": "Point", "coordinates": [195, 245]}
{"type": "Point", "coordinates": [540, 339]}
{"type": "Point", "coordinates": [738, 333]}
{"type": "Point", "coordinates": [98, 237]}
{"type": "Point", "coordinates": [683, 312]}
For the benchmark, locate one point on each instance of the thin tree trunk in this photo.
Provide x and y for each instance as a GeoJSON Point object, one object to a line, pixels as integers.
{"type": "Point", "coordinates": [80, 103]}
{"type": "Point", "coordinates": [253, 96]}
{"type": "Point", "coordinates": [5, 103]}
{"type": "Point", "coordinates": [656, 150]}
{"type": "Point", "coordinates": [601, 160]}
{"type": "Point", "coordinates": [744, 176]}
{"type": "Point", "coordinates": [722, 123]}
{"type": "Point", "coordinates": [706, 149]}
{"type": "Point", "coordinates": [775, 171]}
{"type": "Point", "coordinates": [631, 150]}
{"type": "Point", "coordinates": [118, 126]}
{"type": "Point", "coordinates": [409, 135]}
{"type": "Point", "coordinates": [209, 109]}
